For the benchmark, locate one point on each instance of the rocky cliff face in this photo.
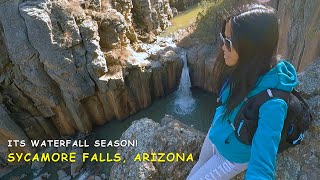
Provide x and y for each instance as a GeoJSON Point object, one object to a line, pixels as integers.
{"type": "Point", "coordinates": [152, 15]}
{"type": "Point", "coordinates": [299, 31]}
{"type": "Point", "coordinates": [201, 59]}
{"type": "Point", "coordinates": [299, 162]}
{"type": "Point", "coordinates": [63, 70]}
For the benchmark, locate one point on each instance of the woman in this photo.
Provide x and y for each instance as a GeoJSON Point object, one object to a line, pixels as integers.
{"type": "Point", "coordinates": [248, 67]}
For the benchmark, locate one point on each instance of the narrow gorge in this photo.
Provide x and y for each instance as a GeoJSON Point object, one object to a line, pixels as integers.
{"type": "Point", "coordinates": [64, 69]}
{"type": "Point", "coordinates": [68, 66]}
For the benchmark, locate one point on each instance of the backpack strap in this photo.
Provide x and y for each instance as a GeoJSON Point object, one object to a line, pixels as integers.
{"type": "Point", "coordinates": [271, 93]}
{"type": "Point", "coordinates": [259, 99]}
{"type": "Point", "coordinates": [298, 95]}
{"type": "Point", "coordinates": [294, 127]}
{"type": "Point", "coordinates": [249, 112]}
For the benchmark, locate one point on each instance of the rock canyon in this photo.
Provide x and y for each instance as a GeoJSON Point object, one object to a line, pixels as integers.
{"type": "Point", "coordinates": [69, 65]}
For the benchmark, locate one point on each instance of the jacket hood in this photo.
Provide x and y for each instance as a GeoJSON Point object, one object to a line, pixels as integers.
{"type": "Point", "coordinates": [283, 77]}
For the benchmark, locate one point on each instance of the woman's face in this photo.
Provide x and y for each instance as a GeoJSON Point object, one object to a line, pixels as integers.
{"type": "Point", "coordinates": [230, 57]}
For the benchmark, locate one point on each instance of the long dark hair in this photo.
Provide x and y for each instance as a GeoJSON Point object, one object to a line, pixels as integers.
{"type": "Point", "coordinates": [254, 34]}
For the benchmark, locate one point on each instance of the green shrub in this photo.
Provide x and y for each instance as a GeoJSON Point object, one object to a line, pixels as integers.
{"type": "Point", "coordinates": [209, 21]}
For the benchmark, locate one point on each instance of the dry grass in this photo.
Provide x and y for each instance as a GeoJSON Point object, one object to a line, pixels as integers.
{"type": "Point", "coordinates": [72, 7]}
{"type": "Point", "coordinates": [105, 4]}
{"type": "Point", "coordinates": [183, 20]}
{"type": "Point", "coordinates": [76, 10]}
{"type": "Point", "coordinates": [117, 57]}
{"type": "Point", "coordinates": [67, 38]}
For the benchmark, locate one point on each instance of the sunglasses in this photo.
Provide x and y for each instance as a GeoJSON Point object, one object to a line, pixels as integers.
{"type": "Point", "coordinates": [226, 42]}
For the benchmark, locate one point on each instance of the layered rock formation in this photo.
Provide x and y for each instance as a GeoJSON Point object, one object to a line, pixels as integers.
{"type": "Point", "coordinates": [54, 76]}
{"type": "Point", "coordinates": [201, 59]}
{"type": "Point", "coordinates": [299, 162]}
{"type": "Point", "coordinates": [147, 18]}
{"type": "Point", "coordinates": [125, 7]}
{"type": "Point", "coordinates": [152, 15]}
{"type": "Point", "coordinates": [299, 31]}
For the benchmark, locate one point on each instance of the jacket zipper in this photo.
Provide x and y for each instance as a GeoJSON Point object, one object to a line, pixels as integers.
{"type": "Point", "coordinates": [231, 125]}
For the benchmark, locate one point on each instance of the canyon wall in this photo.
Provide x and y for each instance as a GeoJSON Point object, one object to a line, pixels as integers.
{"type": "Point", "coordinates": [65, 68]}
{"type": "Point", "coordinates": [299, 31]}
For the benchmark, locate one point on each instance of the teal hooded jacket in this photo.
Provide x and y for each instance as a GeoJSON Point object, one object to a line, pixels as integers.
{"type": "Point", "coordinates": [261, 155]}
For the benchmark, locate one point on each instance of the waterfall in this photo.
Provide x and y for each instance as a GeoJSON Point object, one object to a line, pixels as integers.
{"type": "Point", "coordinates": [184, 102]}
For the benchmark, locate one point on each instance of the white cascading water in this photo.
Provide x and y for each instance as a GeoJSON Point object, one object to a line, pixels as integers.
{"type": "Point", "coordinates": [184, 102]}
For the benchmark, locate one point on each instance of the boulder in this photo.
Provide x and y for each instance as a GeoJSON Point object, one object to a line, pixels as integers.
{"type": "Point", "coordinates": [45, 175]}
{"type": "Point", "coordinates": [36, 167]}
{"type": "Point", "coordinates": [168, 136]}
{"type": "Point", "coordinates": [78, 164]}
{"type": "Point", "coordinates": [61, 174]}
{"type": "Point", "coordinates": [103, 176]}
